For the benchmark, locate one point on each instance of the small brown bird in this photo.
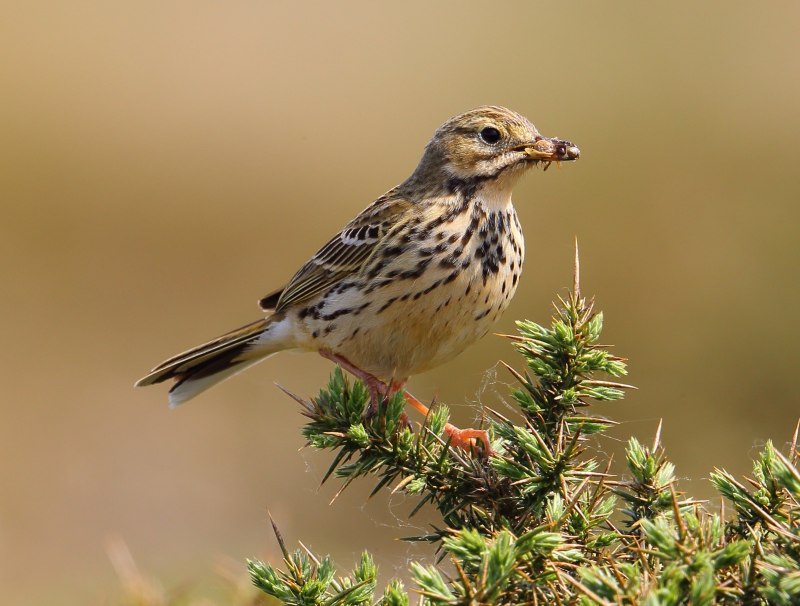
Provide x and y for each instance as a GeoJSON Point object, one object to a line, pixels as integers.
{"type": "Point", "coordinates": [415, 278]}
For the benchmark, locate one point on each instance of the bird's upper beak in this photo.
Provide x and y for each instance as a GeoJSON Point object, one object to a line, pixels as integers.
{"type": "Point", "coordinates": [551, 150]}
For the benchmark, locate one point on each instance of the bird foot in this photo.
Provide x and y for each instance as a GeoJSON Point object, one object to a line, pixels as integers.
{"type": "Point", "coordinates": [471, 440]}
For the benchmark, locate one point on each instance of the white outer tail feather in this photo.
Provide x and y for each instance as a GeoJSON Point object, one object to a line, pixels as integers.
{"type": "Point", "coordinates": [190, 388]}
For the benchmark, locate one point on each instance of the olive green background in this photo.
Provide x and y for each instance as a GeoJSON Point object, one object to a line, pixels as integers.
{"type": "Point", "coordinates": [165, 164]}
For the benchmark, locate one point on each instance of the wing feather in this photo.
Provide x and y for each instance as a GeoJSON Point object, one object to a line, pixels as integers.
{"type": "Point", "coordinates": [344, 255]}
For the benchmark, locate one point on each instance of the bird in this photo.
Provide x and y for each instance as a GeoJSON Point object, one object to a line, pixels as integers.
{"type": "Point", "coordinates": [414, 279]}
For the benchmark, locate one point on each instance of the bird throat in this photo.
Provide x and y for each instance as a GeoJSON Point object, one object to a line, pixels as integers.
{"type": "Point", "coordinates": [495, 195]}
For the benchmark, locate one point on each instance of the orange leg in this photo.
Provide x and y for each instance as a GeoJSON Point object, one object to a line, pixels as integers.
{"type": "Point", "coordinates": [465, 439]}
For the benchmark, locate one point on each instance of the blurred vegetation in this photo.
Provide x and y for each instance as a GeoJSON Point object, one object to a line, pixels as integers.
{"type": "Point", "coordinates": [540, 520]}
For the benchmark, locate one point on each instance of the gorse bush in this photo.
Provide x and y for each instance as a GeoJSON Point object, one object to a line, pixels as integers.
{"type": "Point", "coordinates": [540, 520]}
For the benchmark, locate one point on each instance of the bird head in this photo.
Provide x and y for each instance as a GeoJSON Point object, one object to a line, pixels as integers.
{"type": "Point", "coordinates": [489, 142]}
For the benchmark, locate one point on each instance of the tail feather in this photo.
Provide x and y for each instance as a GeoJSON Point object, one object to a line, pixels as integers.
{"type": "Point", "coordinates": [204, 378]}
{"type": "Point", "coordinates": [202, 367]}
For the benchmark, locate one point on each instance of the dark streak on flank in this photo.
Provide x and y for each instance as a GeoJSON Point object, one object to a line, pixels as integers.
{"type": "Point", "coordinates": [335, 314]}
{"type": "Point", "coordinates": [483, 314]}
{"type": "Point", "coordinates": [393, 251]}
{"type": "Point", "coordinates": [450, 277]}
{"type": "Point", "coordinates": [433, 287]}
{"type": "Point", "coordinates": [443, 304]}
{"type": "Point", "coordinates": [386, 305]}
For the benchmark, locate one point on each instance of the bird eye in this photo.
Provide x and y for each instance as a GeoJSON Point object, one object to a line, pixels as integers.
{"type": "Point", "coordinates": [490, 135]}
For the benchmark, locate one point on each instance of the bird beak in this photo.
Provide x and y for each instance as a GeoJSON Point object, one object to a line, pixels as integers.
{"type": "Point", "coordinates": [551, 150]}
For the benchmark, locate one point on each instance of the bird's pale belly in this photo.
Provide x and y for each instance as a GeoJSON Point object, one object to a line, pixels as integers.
{"type": "Point", "coordinates": [421, 305]}
{"type": "Point", "coordinates": [398, 335]}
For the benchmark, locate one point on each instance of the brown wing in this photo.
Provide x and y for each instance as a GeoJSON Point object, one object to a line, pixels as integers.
{"type": "Point", "coordinates": [345, 254]}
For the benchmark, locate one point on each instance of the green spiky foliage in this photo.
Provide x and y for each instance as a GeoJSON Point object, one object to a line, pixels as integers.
{"type": "Point", "coordinates": [540, 520]}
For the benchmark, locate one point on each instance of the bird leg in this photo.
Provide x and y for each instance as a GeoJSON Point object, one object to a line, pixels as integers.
{"type": "Point", "coordinates": [465, 439]}
{"type": "Point", "coordinates": [378, 390]}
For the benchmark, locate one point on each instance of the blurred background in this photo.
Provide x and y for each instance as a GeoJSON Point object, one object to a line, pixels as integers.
{"type": "Point", "coordinates": [164, 165]}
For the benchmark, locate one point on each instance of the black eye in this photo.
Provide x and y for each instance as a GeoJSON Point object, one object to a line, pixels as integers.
{"type": "Point", "coordinates": [490, 135]}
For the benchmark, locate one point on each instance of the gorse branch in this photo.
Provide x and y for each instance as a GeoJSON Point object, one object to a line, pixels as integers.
{"type": "Point", "coordinates": [541, 521]}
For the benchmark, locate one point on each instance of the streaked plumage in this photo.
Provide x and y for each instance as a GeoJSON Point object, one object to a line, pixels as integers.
{"type": "Point", "coordinates": [415, 278]}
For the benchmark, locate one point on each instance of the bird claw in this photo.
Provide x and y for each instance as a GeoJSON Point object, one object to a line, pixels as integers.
{"type": "Point", "coordinates": [375, 400]}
